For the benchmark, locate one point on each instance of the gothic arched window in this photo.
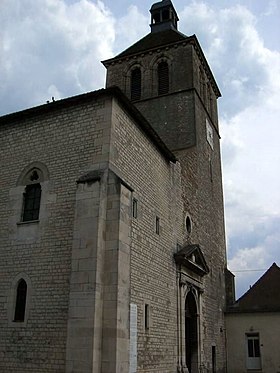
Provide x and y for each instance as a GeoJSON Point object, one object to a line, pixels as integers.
{"type": "Point", "coordinates": [163, 78]}
{"type": "Point", "coordinates": [135, 84]}
{"type": "Point", "coordinates": [20, 301]}
{"type": "Point", "coordinates": [32, 197]}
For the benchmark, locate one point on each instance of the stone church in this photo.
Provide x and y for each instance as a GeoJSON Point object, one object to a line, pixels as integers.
{"type": "Point", "coordinates": [112, 242]}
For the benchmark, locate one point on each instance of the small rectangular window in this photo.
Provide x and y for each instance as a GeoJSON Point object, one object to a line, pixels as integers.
{"type": "Point", "coordinates": [211, 170]}
{"type": "Point", "coordinates": [253, 345]}
{"type": "Point", "coordinates": [213, 359]}
{"type": "Point", "coordinates": [135, 208]}
{"type": "Point", "coordinates": [147, 316]}
{"type": "Point", "coordinates": [157, 225]}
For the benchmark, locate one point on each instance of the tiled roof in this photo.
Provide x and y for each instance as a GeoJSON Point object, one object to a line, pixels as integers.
{"type": "Point", "coordinates": [153, 40]}
{"type": "Point", "coordinates": [263, 296]}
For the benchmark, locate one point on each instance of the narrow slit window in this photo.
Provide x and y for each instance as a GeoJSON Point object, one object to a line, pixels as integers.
{"type": "Point", "coordinates": [147, 317]}
{"type": "Point", "coordinates": [135, 88]}
{"type": "Point", "coordinates": [163, 78]}
{"type": "Point", "coordinates": [20, 301]}
{"type": "Point", "coordinates": [134, 208]}
{"type": "Point", "coordinates": [188, 225]}
{"type": "Point", "coordinates": [31, 203]}
{"type": "Point", "coordinates": [210, 170]}
{"type": "Point", "coordinates": [213, 359]}
{"type": "Point", "coordinates": [157, 225]}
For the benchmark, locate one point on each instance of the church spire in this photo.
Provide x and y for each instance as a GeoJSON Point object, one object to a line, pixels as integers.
{"type": "Point", "coordinates": [163, 16]}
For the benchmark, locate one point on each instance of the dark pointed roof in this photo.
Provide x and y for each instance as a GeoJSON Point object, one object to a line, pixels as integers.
{"type": "Point", "coordinates": [153, 40]}
{"type": "Point", "coordinates": [263, 296]}
{"type": "Point", "coordinates": [160, 39]}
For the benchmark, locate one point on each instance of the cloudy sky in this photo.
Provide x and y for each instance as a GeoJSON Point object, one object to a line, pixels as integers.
{"type": "Point", "coordinates": [53, 48]}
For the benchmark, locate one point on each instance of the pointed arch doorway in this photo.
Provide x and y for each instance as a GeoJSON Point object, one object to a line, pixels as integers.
{"type": "Point", "coordinates": [191, 333]}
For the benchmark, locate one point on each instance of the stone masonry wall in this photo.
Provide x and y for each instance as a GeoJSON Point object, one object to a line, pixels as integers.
{"type": "Point", "coordinates": [180, 119]}
{"type": "Point", "coordinates": [68, 141]}
{"type": "Point", "coordinates": [156, 186]}
{"type": "Point", "coordinates": [202, 195]}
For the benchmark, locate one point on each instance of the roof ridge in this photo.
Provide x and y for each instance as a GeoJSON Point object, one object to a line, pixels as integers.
{"type": "Point", "coordinates": [274, 265]}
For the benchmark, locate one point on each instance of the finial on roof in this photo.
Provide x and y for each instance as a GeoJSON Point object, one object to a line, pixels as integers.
{"type": "Point", "coordinates": [163, 16]}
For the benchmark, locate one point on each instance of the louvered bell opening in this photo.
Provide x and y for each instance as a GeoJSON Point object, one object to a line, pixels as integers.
{"type": "Point", "coordinates": [135, 84]}
{"type": "Point", "coordinates": [163, 78]}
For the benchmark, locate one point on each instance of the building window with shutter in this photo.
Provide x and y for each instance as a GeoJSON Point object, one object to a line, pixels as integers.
{"type": "Point", "coordinates": [135, 86]}
{"type": "Point", "coordinates": [163, 78]}
{"type": "Point", "coordinates": [253, 351]}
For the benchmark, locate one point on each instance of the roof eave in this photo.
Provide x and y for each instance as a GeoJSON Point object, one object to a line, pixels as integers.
{"type": "Point", "coordinates": [193, 40]}
{"type": "Point", "coordinates": [116, 92]}
{"type": "Point", "coordinates": [122, 56]}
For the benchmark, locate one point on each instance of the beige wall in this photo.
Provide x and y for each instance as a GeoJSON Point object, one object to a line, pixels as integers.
{"type": "Point", "coordinates": [156, 186]}
{"type": "Point", "coordinates": [68, 141]}
{"type": "Point", "coordinates": [86, 259]}
{"type": "Point", "coordinates": [268, 327]}
{"type": "Point", "coordinates": [180, 120]}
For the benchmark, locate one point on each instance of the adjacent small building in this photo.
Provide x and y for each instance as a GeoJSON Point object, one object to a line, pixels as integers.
{"type": "Point", "coordinates": [253, 327]}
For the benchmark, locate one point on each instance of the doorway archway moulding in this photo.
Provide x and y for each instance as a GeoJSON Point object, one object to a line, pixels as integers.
{"type": "Point", "coordinates": [191, 268]}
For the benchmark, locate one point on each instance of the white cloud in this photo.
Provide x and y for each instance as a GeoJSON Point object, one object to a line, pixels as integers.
{"type": "Point", "coordinates": [49, 47]}
{"type": "Point", "coordinates": [53, 48]}
{"type": "Point", "coordinates": [236, 52]}
{"type": "Point", "coordinates": [271, 8]}
{"type": "Point", "coordinates": [249, 77]}
{"type": "Point", "coordinates": [248, 265]}
{"type": "Point", "coordinates": [126, 32]}
{"type": "Point", "coordinates": [249, 258]}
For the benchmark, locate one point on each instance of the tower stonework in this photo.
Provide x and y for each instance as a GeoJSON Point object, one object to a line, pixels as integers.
{"type": "Point", "coordinates": [184, 114]}
{"type": "Point", "coordinates": [112, 243]}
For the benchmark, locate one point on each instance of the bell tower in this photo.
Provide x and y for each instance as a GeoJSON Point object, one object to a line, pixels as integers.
{"type": "Point", "coordinates": [167, 77]}
{"type": "Point", "coordinates": [163, 16]}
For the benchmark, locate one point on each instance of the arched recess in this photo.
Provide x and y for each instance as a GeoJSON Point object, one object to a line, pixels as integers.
{"type": "Point", "coordinates": [162, 77]}
{"type": "Point", "coordinates": [191, 333]}
{"type": "Point", "coordinates": [19, 300]}
{"type": "Point", "coordinates": [20, 303]}
{"type": "Point", "coordinates": [136, 84]}
{"type": "Point", "coordinates": [32, 178]}
{"type": "Point", "coordinates": [128, 82]}
{"type": "Point", "coordinates": [39, 167]}
{"type": "Point", "coordinates": [191, 266]}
